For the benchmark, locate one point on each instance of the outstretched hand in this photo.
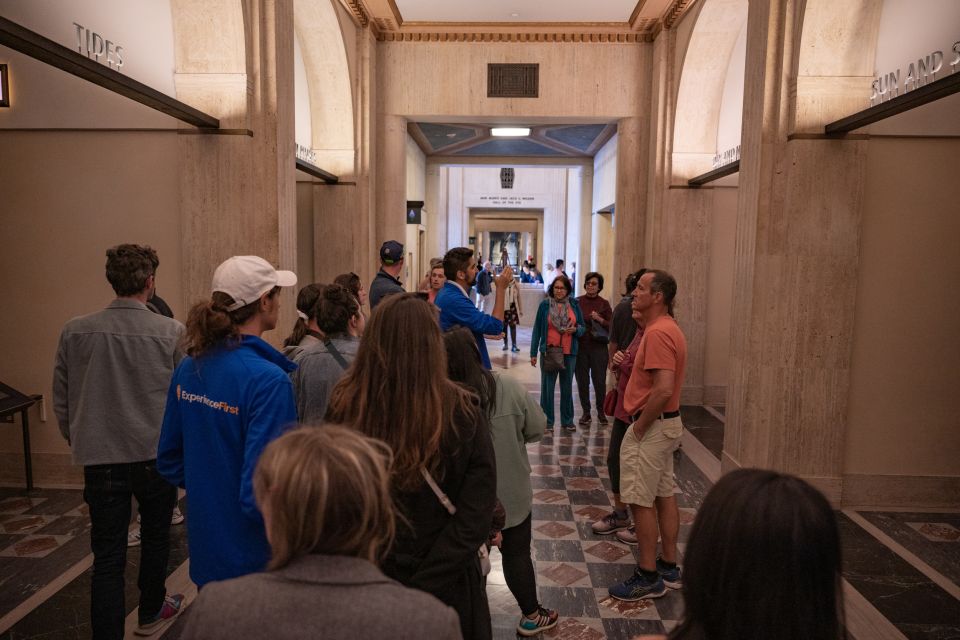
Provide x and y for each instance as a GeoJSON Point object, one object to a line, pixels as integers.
{"type": "Point", "coordinates": [505, 276]}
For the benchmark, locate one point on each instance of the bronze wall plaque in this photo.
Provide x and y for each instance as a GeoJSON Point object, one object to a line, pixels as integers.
{"type": "Point", "coordinates": [513, 80]}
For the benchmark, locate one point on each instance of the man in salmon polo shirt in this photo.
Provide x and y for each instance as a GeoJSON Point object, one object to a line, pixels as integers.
{"type": "Point", "coordinates": [652, 397]}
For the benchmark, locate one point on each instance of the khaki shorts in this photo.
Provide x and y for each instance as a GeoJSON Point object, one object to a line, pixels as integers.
{"type": "Point", "coordinates": [646, 465]}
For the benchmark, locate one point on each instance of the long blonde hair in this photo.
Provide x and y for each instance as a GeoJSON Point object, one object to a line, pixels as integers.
{"type": "Point", "coordinates": [326, 490]}
{"type": "Point", "coordinates": [397, 389]}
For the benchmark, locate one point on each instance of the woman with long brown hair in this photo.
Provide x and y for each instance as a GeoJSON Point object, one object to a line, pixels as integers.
{"type": "Point", "coordinates": [228, 399]}
{"type": "Point", "coordinates": [397, 391]}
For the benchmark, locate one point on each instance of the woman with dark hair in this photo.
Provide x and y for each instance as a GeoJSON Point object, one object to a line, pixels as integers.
{"type": "Point", "coordinates": [515, 421]}
{"type": "Point", "coordinates": [618, 520]}
{"type": "Point", "coordinates": [763, 562]}
{"type": "Point", "coordinates": [593, 358]}
{"type": "Point", "coordinates": [396, 390]}
{"type": "Point", "coordinates": [325, 497]}
{"type": "Point", "coordinates": [556, 332]}
{"type": "Point", "coordinates": [228, 399]}
{"type": "Point", "coordinates": [322, 365]}
{"type": "Point", "coordinates": [305, 332]}
{"type": "Point", "coordinates": [352, 282]}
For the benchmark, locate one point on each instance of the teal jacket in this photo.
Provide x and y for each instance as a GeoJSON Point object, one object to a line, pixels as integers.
{"type": "Point", "coordinates": [538, 344]}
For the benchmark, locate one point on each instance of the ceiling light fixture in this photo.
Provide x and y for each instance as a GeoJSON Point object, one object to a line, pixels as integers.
{"type": "Point", "coordinates": [510, 132]}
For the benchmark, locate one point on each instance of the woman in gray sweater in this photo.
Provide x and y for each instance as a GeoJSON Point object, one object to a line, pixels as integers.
{"type": "Point", "coordinates": [325, 497]}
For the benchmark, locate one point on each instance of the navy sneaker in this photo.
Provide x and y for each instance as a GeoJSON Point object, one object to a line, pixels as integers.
{"type": "Point", "coordinates": [637, 587]}
{"type": "Point", "coordinates": [671, 576]}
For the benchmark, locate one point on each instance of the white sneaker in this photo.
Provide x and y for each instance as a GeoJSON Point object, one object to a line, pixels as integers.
{"type": "Point", "coordinates": [133, 538]}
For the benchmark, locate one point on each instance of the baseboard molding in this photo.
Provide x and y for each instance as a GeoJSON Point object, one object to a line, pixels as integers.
{"type": "Point", "coordinates": [50, 470]}
{"type": "Point", "coordinates": [715, 395]}
{"type": "Point", "coordinates": [727, 464]}
{"type": "Point", "coordinates": [901, 491]}
{"type": "Point", "coordinates": [829, 486]}
{"type": "Point", "coordinates": [692, 395]}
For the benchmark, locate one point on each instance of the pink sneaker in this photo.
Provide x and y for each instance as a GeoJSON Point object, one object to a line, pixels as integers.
{"type": "Point", "coordinates": [172, 605]}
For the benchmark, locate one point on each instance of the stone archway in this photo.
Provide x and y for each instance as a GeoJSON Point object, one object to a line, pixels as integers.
{"type": "Point", "coordinates": [330, 86]}
{"type": "Point", "coordinates": [234, 60]}
{"type": "Point", "coordinates": [700, 91]}
{"type": "Point", "coordinates": [834, 61]}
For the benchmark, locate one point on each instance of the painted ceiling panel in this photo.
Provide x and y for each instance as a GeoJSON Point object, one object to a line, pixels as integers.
{"type": "Point", "coordinates": [444, 135]}
{"type": "Point", "coordinates": [579, 137]}
{"type": "Point", "coordinates": [509, 147]}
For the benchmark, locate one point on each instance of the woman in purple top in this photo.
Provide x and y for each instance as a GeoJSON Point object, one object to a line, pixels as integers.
{"type": "Point", "coordinates": [622, 365]}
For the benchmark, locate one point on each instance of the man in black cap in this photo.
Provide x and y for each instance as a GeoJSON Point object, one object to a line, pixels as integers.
{"type": "Point", "coordinates": [387, 280]}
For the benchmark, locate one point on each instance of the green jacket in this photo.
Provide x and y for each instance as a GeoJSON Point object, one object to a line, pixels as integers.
{"type": "Point", "coordinates": [517, 420]}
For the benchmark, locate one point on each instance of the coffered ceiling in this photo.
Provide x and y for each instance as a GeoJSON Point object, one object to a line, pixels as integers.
{"type": "Point", "coordinates": [544, 141]}
{"type": "Point", "coordinates": [518, 20]}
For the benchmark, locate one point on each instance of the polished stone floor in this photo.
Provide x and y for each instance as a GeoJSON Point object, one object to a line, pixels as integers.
{"type": "Point", "coordinates": [901, 568]}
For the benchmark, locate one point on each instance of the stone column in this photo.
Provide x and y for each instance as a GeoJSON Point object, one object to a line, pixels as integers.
{"type": "Point", "coordinates": [630, 209]}
{"type": "Point", "coordinates": [238, 192]}
{"type": "Point", "coordinates": [391, 186]}
{"type": "Point", "coordinates": [795, 273]}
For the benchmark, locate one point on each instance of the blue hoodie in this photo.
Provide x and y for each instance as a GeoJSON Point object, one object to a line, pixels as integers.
{"type": "Point", "coordinates": [223, 408]}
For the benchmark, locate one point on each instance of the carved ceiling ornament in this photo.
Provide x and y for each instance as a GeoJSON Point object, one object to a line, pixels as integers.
{"type": "Point", "coordinates": [387, 24]}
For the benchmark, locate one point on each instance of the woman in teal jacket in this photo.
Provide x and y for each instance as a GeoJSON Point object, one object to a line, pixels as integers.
{"type": "Point", "coordinates": [559, 323]}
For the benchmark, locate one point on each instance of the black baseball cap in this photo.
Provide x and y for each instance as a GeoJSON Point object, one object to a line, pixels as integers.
{"type": "Point", "coordinates": [391, 252]}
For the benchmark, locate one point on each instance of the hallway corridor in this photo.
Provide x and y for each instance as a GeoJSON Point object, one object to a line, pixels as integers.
{"type": "Point", "coordinates": [901, 569]}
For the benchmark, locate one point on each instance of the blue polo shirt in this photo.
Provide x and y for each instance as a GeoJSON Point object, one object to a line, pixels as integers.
{"type": "Point", "coordinates": [456, 310]}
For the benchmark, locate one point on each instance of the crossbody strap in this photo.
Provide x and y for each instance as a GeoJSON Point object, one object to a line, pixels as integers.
{"type": "Point", "coordinates": [441, 496]}
{"type": "Point", "coordinates": [336, 355]}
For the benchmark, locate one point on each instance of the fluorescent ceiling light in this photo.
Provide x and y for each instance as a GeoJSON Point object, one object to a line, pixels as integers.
{"type": "Point", "coordinates": [512, 132]}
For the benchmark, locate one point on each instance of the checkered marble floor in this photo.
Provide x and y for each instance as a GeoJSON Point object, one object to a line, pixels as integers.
{"type": "Point", "coordinates": [574, 566]}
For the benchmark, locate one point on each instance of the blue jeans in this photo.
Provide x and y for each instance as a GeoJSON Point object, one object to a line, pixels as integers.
{"type": "Point", "coordinates": [107, 490]}
{"type": "Point", "coordinates": [547, 383]}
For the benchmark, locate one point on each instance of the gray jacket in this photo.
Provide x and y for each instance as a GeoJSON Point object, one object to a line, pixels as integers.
{"type": "Point", "coordinates": [110, 382]}
{"type": "Point", "coordinates": [317, 373]}
{"type": "Point", "coordinates": [318, 596]}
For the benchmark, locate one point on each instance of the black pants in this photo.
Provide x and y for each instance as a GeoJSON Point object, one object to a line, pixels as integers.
{"type": "Point", "coordinates": [613, 454]}
{"type": "Point", "coordinates": [107, 490]}
{"type": "Point", "coordinates": [513, 335]}
{"type": "Point", "coordinates": [592, 364]}
{"type": "Point", "coordinates": [518, 566]}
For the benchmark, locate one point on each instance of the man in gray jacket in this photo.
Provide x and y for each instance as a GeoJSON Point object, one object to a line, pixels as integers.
{"type": "Point", "coordinates": [110, 383]}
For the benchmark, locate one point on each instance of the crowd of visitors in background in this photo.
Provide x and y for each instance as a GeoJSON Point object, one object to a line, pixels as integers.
{"type": "Point", "coordinates": [411, 462]}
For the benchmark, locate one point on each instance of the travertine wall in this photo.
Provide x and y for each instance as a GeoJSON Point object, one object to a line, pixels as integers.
{"type": "Point", "coordinates": [901, 424]}
{"type": "Point", "coordinates": [587, 80]}
{"type": "Point", "coordinates": [52, 264]}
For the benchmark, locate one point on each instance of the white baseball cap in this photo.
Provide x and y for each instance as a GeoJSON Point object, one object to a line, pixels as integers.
{"type": "Point", "coordinates": [246, 278]}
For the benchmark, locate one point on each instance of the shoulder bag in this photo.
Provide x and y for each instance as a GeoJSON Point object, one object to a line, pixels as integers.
{"type": "Point", "coordinates": [451, 508]}
{"type": "Point", "coordinates": [553, 359]}
{"type": "Point", "coordinates": [333, 351]}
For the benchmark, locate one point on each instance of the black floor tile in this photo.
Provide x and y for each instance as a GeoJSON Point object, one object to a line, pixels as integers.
{"type": "Point", "coordinates": [898, 591]}
{"type": "Point", "coordinates": [944, 556]}
{"type": "Point", "coordinates": [558, 551]}
{"type": "Point", "coordinates": [571, 602]}
{"type": "Point", "coordinates": [628, 628]}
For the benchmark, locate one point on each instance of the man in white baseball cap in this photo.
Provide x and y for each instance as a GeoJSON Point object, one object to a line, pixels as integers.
{"type": "Point", "coordinates": [228, 399]}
